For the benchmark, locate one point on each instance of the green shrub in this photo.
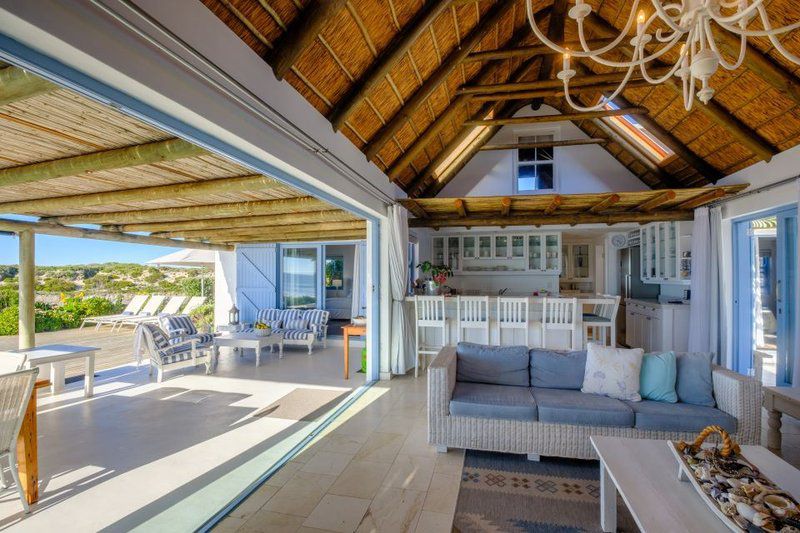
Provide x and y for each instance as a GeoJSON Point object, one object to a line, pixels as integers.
{"type": "Point", "coordinates": [9, 320]}
{"type": "Point", "coordinates": [56, 285]}
{"type": "Point", "coordinates": [53, 318]}
{"type": "Point", "coordinates": [203, 316]}
{"type": "Point", "coordinates": [9, 295]}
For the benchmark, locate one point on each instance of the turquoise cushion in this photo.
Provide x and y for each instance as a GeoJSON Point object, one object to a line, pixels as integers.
{"type": "Point", "coordinates": [657, 377]}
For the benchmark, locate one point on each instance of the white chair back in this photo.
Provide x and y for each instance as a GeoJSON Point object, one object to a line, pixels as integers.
{"type": "Point", "coordinates": [604, 322]}
{"type": "Point", "coordinates": [608, 308]}
{"type": "Point", "coordinates": [153, 305]}
{"type": "Point", "coordinates": [513, 314]}
{"type": "Point", "coordinates": [193, 303]}
{"type": "Point", "coordinates": [15, 391]}
{"type": "Point", "coordinates": [173, 305]}
{"type": "Point", "coordinates": [473, 313]}
{"type": "Point", "coordinates": [429, 312]}
{"type": "Point", "coordinates": [559, 314]}
{"type": "Point", "coordinates": [135, 305]}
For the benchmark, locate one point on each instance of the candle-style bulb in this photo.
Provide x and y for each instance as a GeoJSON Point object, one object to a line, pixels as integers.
{"type": "Point", "coordinates": [641, 18]}
{"type": "Point", "coordinates": [565, 63]}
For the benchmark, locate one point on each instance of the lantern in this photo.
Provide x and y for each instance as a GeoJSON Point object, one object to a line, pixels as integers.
{"type": "Point", "coordinates": [233, 316]}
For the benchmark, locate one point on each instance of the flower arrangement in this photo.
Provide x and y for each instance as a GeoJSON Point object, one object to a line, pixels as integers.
{"type": "Point", "coordinates": [439, 273]}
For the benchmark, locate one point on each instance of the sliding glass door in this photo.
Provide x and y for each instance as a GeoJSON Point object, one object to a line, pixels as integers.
{"type": "Point", "coordinates": [301, 275]}
{"type": "Point", "coordinates": [786, 289]}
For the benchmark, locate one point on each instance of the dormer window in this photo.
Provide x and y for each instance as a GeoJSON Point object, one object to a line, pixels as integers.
{"type": "Point", "coordinates": [639, 136]}
{"type": "Point", "coordinates": [535, 164]}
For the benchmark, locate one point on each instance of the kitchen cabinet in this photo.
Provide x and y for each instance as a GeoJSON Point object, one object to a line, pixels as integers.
{"type": "Point", "coordinates": [665, 253]}
{"type": "Point", "coordinates": [501, 250]}
{"type": "Point", "coordinates": [656, 327]}
{"type": "Point", "coordinates": [446, 250]}
{"type": "Point", "coordinates": [517, 246]}
{"type": "Point", "coordinates": [577, 262]}
{"type": "Point", "coordinates": [437, 250]}
{"type": "Point", "coordinates": [484, 246]}
{"type": "Point", "coordinates": [469, 249]}
{"type": "Point", "coordinates": [544, 252]}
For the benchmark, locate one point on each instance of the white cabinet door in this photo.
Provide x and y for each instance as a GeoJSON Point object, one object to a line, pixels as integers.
{"type": "Point", "coordinates": [469, 249]}
{"type": "Point", "coordinates": [657, 341]}
{"type": "Point", "coordinates": [484, 246]}
{"type": "Point", "coordinates": [454, 252]}
{"type": "Point", "coordinates": [501, 247]}
{"type": "Point", "coordinates": [647, 333]}
{"type": "Point", "coordinates": [535, 247]}
{"type": "Point", "coordinates": [630, 327]}
{"type": "Point", "coordinates": [437, 250]}
{"type": "Point", "coordinates": [552, 252]}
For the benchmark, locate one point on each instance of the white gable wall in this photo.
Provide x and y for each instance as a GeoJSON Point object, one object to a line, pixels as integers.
{"type": "Point", "coordinates": [579, 169]}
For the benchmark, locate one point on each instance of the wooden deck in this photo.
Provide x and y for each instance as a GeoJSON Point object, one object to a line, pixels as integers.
{"type": "Point", "coordinates": [115, 348]}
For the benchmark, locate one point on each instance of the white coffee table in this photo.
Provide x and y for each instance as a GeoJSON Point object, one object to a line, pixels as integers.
{"type": "Point", "coordinates": [56, 355]}
{"type": "Point", "coordinates": [241, 340]}
{"type": "Point", "coordinates": [645, 473]}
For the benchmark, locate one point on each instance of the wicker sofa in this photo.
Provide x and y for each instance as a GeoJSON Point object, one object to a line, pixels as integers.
{"type": "Point", "coordinates": [300, 327]}
{"type": "Point", "coordinates": [560, 422]}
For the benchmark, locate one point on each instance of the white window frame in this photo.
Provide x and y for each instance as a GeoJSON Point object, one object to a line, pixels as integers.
{"type": "Point", "coordinates": [556, 134]}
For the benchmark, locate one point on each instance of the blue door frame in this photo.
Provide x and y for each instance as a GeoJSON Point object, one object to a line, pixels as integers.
{"type": "Point", "coordinates": [745, 270]}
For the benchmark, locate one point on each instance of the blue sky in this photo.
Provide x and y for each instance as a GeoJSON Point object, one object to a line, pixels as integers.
{"type": "Point", "coordinates": [52, 251]}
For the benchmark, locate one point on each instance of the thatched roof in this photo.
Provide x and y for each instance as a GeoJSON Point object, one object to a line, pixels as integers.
{"type": "Point", "coordinates": [387, 72]}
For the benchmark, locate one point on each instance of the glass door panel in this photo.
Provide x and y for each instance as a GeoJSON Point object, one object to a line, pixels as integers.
{"type": "Point", "coordinates": [437, 254]}
{"type": "Point", "coordinates": [500, 246]}
{"type": "Point", "coordinates": [580, 260]}
{"type": "Point", "coordinates": [786, 289]}
{"type": "Point", "coordinates": [534, 252]}
{"type": "Point", "coordinates": [301, 277]}
{"type": "Point", "coordinates": [662, 249]}
{"type": "Point", "coordinates": [553, 252]}
{"type": "Point", "coordinates": [517, 246]}
{"type": "Point", "coordinates": [468, 247]}
{"type": "Point", "coordinates": [454, 252]}
{"type": "Point", "coordinates": [564, 261]}
{"type": "Point", "coordinates": [485, 246]}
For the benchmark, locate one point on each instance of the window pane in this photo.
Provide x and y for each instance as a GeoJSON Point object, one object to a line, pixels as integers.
{"type": "Point", "coordinates": [527, 178]}
{"type": "Point", "coordinates": [299, 281]}
{"type": "Point", "coordinates": [545, 154]}
{"type": "Point", "coordinates": [527, 154]}
{"type": "Point", "coordinates": [545, 176]}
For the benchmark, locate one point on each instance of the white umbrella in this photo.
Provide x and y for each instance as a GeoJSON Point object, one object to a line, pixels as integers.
{"type": "Point", "coordinates": [187, 258]}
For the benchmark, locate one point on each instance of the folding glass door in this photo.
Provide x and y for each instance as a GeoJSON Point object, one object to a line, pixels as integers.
{"type": "Point", "coordinates": [301, 277]}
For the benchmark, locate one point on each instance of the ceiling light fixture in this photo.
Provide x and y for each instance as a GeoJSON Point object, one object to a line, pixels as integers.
{"type": "Point", "coordinates": [683, 26]}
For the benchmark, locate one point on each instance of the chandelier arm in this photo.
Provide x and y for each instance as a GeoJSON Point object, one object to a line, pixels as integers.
{"type": "Point", "coordinates": [713, 45]}
{"type": "Point", "coordinates": [635, 63]}
{"type": "Point", "coordinates": [579, 107]}
{"type": "Point", "coordinates": [758, 33]}
{"type": "Point", "coordinates": [665, 17]}
{"type": "Point", "coordinates": [774, 40]}
{"type": "Point", "coordinates": [739, 15]}
{"type": "Point", "coordinates": [688, 93]}
{"type": "Point", "coordinates": [602, 50]}
{"type": "Point", "coordinates": [662, 79]}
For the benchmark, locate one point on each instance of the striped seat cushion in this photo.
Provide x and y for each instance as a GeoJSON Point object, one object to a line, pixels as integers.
{"type": "Point", "coordinates": [203, 338]}
{"type": "Point", "coordinates": [159, 338]}
{"type": "Point", "coordinates": [316, 316]}
{"type": "Point", "coordinates": [297, 334]}
{"type": "Point", "coordinates": [267, 315]}
{"type": "Point", "coordinates": [173, 355]}
{"type": "Point", "coordinates": [178, 325]}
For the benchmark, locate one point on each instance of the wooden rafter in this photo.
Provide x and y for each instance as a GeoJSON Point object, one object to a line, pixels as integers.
{"type": "Point", "coordinates": [380, 68]}
{"type": "Point", "coordinates": [505, 207]}
{"type": "Point", "coordinates": [547, 144]}
{"type": "Point", "coordinates": [129, 156]}
{"type": "Point", "coordinates": [547, 83]}
{"type": "Point", "coordinates": [702, 199]}
{"type": "Point", "coordinates": [275, 236]}
{"type": "Point", "coordinates": [529, 51]}
{"type": "Point", "coordinates": [554, 92]}
{"type": "Point", "coordinates": [145, 194]}
{"type": "Point", "coordinates": [566, 117]}
{"type": "Point", "coordinates": [554, 219]}
{"type": "Point", "coordinates": [460, 207]}
{"type": "Point", "coordinates": [352, 225]}
{"type": "Point", "coordinates": [556, 201]}
{"type": "Point", "coordinates": [555, 33]}
{"type": "Point", "coordinates": [393, 125]}
{"type": "Point", "coordinates": [605, 203]}
{"type": "Point", "coordinates": [656, 201]}
{"type": "Point", "coordinates": [416, 209]}
{"type": "Point", "coordinates": [17, 84]}
{"type": "Point", "coordinates": [301, 33]}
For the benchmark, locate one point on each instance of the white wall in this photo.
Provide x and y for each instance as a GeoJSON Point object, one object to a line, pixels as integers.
{"type": "Point", "coordinates": [579, 169]}
{"type": "Point", "coordinates": [224, 285]}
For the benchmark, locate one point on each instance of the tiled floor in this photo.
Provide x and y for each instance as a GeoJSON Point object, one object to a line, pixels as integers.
{"type": "Point", "coordinates": [371, 471]}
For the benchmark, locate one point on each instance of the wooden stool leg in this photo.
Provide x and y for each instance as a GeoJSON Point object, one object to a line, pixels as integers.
{"type": "Point", "coordinates": [27, 453]}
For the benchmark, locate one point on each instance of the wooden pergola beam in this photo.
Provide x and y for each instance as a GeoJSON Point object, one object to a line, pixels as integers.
{"type": "Point", "coordinates": [461, 208]}
{"type": "Point", "coordinates": [225, 210]}
{"type": "Point", "coordinates": [18, 226]}
{"type": "Point", "coordinates": [240, 222]}
{"type": "Point", "coordinates": [438, 76]}
{"type": "Point", "coordinates": [259, 230]}
{"type": "Point", "coordinates": [289, 237]}
{"type": "Point", "coordinates": [380, 68]}
{"type": "Point", "coordinates": [144, 194]}
{"type": "Point", "coordinates": [554, 204]}
{"type": "Point", "coordinates": [545, 119]}
{"type": "Point", "coordinates": [712, 110]}
{"type": "Point", "coordinates": [129, 156]}
{"type": "Point", "coordinates": [530, 51]}
{"type": "Point", "coordinates": [301, 33]}
{"type": "Point", "coordinates": [415, 208]}
{"type": "Point", "coordinates": [547, 83]}
{"type": "Point", "coordinates": [656, 201]}
{"type": "Point", "coordinates": [702, 199]}
{"type": "Point", "coordinates": [17, 84]}
{"type": "Point", "coordinates": [548, 144]}
{"type": "Point", "coordinates": [551, 220]}
{"type": "Point", "coordinates": [605, 203]}
{"type": "Point", "coordinates": [505, 207]}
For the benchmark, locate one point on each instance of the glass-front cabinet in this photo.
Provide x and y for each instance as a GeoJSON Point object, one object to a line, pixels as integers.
{"type": "Point", "coordinates": [484, 246]}
{"type": "Point", "coordinates": [665, 253]}
{"type": "Point", "coordinates": [501, 250]}
{"type": "Point", "coordinates": [577, 262]}
{"type": "Point", "coordinates": [446, 250]}
{"type": "Point", "coordinates": [437, 250]}
{"type": "Point", "coordinates": [534, 252]}
{"type": "Point", "coordinates": [552, 243]}
{"type": "Point", "coordinates": [544, 252]}
{"type": "Point", "coordinates": [498, 252]}
{"type": "Point", "coordinates": [517, 246]}
{"type": "Point", "coordinates": [454, 252]}
{"type": "Point", "coordinates": [468, 247]}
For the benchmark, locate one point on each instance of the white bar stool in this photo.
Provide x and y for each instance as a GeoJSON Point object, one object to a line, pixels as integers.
{"type": "Point", "coordinates": [473, 313]}
{"type": "Point", "coordinates": [560, 314]}
{"type": "Point", "coordinates": [602, 322]}
{"type": "Point", "coordinates": [430, 314]}
{"type": "Point", "coordinates": [512, 314]}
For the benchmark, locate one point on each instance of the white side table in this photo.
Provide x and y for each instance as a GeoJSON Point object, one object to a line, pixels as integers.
{"type": "Point", "coordinates": [56, 355]}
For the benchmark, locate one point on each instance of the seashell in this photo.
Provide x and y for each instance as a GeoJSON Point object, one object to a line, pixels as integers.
{"type": "Point", "coordinates": [740, 521]}
{"type": "Point", "coordinates": [728, 508]}
{"type": "Point", "coordinates": [745, 511]}
{"type": "Point", "coordinates": [761, 519]}
{"type": "Point", "coordinates": [778, 504]}
{"type": "Point", "coordinates": [733, 482]}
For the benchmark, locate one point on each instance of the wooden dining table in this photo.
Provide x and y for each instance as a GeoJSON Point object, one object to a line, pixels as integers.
{"type": "Point", "coordinates": [27, 447]}
{"type": "Point", "coordinates": [349, 330]}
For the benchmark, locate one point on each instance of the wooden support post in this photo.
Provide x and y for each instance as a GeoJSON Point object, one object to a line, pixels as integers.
{"type": "Point", "coordinates": [17, 84]}
{"type": "Point", "coordinates": [554, 203]}
{"type": "Point", "coordinates": [303, 31]}
{"type": "Point", "coordinates": [656, 201]}
{"type": "Point", "coordinates": [449, 64]}
{"type": "Point", "coordinates": [505, 207]}
{"type": "Point", "coordinates": [544, 119]}
{"type": "Point", "coordinates": [129, 156]}
{"type": "Point", "coordinates": [528, 146]}
{"type": "Point", "coordinates": [605, 203]}
{"type": "Point", "coordinates": [380, 68]}
{"type": "Point", "coordinates": [701, 199]}
{"type": "Point", "coordinates": [27, 289]}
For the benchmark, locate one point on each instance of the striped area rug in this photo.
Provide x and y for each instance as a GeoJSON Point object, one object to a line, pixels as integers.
{"type": "Point", "coordinates": [507, 493]}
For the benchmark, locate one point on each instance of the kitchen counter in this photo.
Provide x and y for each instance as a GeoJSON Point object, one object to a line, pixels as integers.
{"type": "Point", "coordinates": [653, 302]}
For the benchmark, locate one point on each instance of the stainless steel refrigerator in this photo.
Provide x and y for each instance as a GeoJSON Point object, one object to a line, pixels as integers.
{"type": "Point", "coordinates": [630, 285]}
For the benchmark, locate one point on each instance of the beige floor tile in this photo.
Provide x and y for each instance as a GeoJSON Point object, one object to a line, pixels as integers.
{"type": "Point", "coordinates": [410, 472]}
{"type": "Point", "coordinates": [361, 479]}
{"type": "Point", "coordinates": [450, 463]}
{"type": "Point", "coordinates": [393, 510]}
{"type": "Point", "coordinates": [330, 463]}
{"type": "Point", "coordinates": [416, 443]}
{"type": "Point", "coordinates": [271, 522]}
{"type": "Point", "coordinates": [304, 529]}
{"type": "Point", "coordinates": [341, 443]}
{"type": "Point", "coordinates": [229, 524]}
{"type": "Point", "coordinates": [283, 475]}
{"type": "Point", "coordinates": [394, 424]}
{"type": "Point", "coordinates": [300, 494]}
{"type": "Point", "coordinates": [338, 513]}
{"type": "Point", "coordinates": [442, 494]}
{"type": "Point", "coordinates": [381, 447]}
{"type": "Point", "coordinates": [254, 502]}
{"type": "Point", "coordinates": [430, 522]}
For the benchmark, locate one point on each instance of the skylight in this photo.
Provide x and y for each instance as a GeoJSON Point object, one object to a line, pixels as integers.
{"type": "Point", "coordinates": [639, 135]}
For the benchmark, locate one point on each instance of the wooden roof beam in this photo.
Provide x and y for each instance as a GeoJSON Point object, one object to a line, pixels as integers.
{"type": "Point", "coordinates": [258, 230]}
{"type": "Point", "coordinates": [192, 189]}
{"type": "Point", "coordinates": [343, 236]}
{"type": "Point", "coordinates": [272, 236]}
{"type": "Point", "coordinates": [15, 226]}
{"type": "Point", "coordinates": [489, 21]}
{"type": "Point", "coordinates": [605, 203]}
{"type": "Point", "coordinates": [461, 207]}
{"type": "Point", "coordinates": [530, 51]}
{"type": "Point", "coordinates": [702, 199]}
{"type": "Point", "coordinates": [505, 207]}
{"type": "Point", "coordinates": [549, 144]}
{"type": "Point", "coordinates": [380, 68]}
{"type": "Point", "coordinates": [544, 119]}
{"type": "Point", "coordinates": [222, 210]}
{"type": "Point", "coordinates": [17, 84]}
{"type": "Point", "coordinates": [303, 31]}
{"type": "Point", "coordinates": [547, 83]}
{"type": "Point", "coordinates": [416, 209]}
{"type": "Point", "coordinates": [554, 204]}
{"type": "Point", "coordinates": [551, 220]}
{"type": "Point", "coordinates": [129, 156]}
{"type": "Point", "coordinates": [554, 92]}
{"type": "Point", "coordinates": [555, 33]}
{"type": "Point", "coordinates": [656, 201]}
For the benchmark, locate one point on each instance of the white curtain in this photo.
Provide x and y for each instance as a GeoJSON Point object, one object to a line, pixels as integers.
{"type": "Point", "coordinates": [401, 354]}
{"type": "Point", "coordinates": [707, 307]}
{"type": "Point", "coordinates": [359, 300]}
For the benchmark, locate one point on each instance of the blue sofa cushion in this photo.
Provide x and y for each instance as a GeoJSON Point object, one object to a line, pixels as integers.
{"type": "Point", "coordinates": [559, 406]}
{"type": "Point", "coordinates": [557, 369]}
{"type": "Point", "coordinates": [661, 416]}
{"type": "Point", "coordinates": [694, 384]}
{"type": "Point", "coordinates": [493, 401]}
{"type": "Point", "coordinates": [496, 365]}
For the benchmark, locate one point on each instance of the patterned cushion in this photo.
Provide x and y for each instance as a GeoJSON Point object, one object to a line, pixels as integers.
{"type": "Point", "coordinates": [266, 315]}
{"type": "Point", "coordinates": [297, 334]}
{"type": "Point", "coordinates": [296, 324]}
{"type": "Point", "coordinates": [316, 316]}
{"type": "Point", "coordinates": [613, 372]}
{"type": "Point", "coordinates": [175, 356]}
{"type": "Point", "coordinates": [159, 338]}
{"type": "Point", "coordinates": [203, 338]}
{"type": "Point", "coordinates": [178, 325]}
{"type": "Point", "coordinates": [284, 315]}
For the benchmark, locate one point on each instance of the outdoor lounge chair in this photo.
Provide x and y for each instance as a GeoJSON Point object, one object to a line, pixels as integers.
{"type": "Point", "coordinates": [173, 305]}
{"type": "Point", "coordinates": [15, 392]}
{"type": "Point", "coordinates": [180, 328]}
{"type": "Point", "coordinates": [193, 303]}
{"type": "Point", "coordinates": [133, 307]}
{"type": "Point", "coordinates": [146, 314]}
{"type": "Point", "coordinates": [166, 356]}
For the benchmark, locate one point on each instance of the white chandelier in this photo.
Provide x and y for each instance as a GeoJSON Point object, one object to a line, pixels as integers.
{"type": "Point", "coordinates": [687, 29]}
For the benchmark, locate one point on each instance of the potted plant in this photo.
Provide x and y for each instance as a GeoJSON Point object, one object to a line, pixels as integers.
{"type": "Point", "coordinates": [439, 275]}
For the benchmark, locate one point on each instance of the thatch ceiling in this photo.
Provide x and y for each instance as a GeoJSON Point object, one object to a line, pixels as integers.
{"type": "Point", "coordinates": [408, 123]}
